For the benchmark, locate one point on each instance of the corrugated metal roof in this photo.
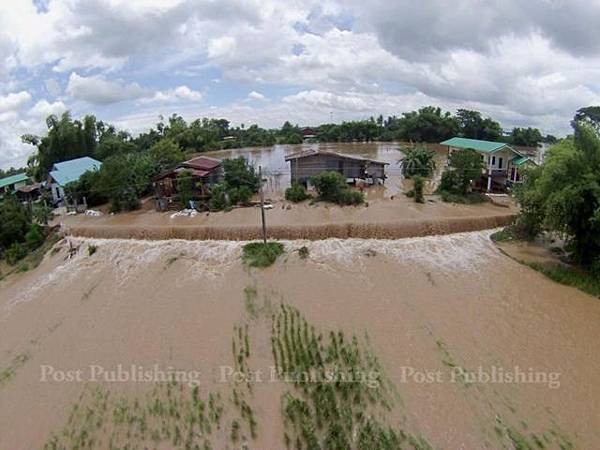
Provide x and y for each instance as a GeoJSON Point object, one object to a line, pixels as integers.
{"type": "Point", "coordinates": [67, 171]}
{"type": "Point", "coordinates": [475, 144]}
{"type": "Point", "coordinates": [202, 163]}
{"type": "Point", "coordinates": [520, 160]}
{"type": "Point", "coordinates": [18, 178]}
{"type": "Point", "coordinates": [307, 153]}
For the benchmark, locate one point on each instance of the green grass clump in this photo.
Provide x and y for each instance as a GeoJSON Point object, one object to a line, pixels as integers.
{"type": "Point", "coordinates": [258, 254]}
{"type": "Point", "coordinates": [9, 372]}
{"type": "Point", "coordinates": [470, 198]}
{"type": "Point", "coordinates": [570, 276]}
{"type": "Point", "coordinates": [92, 249]}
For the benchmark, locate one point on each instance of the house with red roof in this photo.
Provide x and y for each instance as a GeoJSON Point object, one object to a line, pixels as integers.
{"type": "Point", "coordinates": [205, 173]}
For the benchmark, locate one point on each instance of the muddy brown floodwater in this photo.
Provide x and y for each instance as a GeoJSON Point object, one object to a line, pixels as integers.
{"type": "Point", "coordinates": [277, 170]}
{"type": "Point", "coordinates": [450, 318]}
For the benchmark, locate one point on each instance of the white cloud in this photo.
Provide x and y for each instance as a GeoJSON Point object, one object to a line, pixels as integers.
{"type": "Point", "coordinates": [179, 94]}
{"type": "Point", "coordinates": [43, 109]}
{"type": "Point", "coordinates": [14, 101]}
{"type": "Point", "coordinates": [257, 96]}
{"type": "Point", "coordinates": [101, 91]}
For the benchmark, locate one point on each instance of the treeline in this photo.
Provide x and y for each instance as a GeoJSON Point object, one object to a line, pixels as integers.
{"type": "Point", "coordinates": [67, 138]}
{"type": "Point", "coordinates": [429, 124]}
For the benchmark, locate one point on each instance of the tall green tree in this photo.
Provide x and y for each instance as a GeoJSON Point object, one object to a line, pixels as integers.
{"type": "Point", "coordinates": [472, 125]}
{"type": "Point", "coordinates": [564, 194]}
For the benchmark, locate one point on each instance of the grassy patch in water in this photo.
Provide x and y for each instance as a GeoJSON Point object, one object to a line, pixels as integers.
{"type": "Point", "coordinates": [338, 396]}
{"type": "Point", "coordinates": [259, 254]}
{"type": "Point", "coordinates": [569, 276]}
{"type": "Point", "coordinates": [8, 372]}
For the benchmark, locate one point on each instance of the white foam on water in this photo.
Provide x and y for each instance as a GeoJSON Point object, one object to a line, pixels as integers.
{"type": "Point", "coordinates": [128, 258]}
{"type": "Point", "coordinates": [448, 253]}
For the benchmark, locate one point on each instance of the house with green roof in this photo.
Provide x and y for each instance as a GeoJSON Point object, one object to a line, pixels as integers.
{"type": "Point", "coordinates": [502, 162]}
{"type": "Point", "coordinates": [65, 172]}
{"type": "Point", "coordinates": [9, 185]}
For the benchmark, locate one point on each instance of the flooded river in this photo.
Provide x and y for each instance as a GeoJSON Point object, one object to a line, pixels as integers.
{"type": "Point", "coordinates": [481, 351]}
{"type": "Point", "coordinates": [277, 170]}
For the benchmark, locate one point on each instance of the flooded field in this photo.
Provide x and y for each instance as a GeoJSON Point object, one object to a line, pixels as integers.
{"type": "Point", "coordinates": [277, 170]}
{"type": "Point", "coordinates": [460, 347]}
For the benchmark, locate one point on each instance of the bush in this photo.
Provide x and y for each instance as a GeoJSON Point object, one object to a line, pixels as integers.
{"type": "Point", "coordinates": [34, 237]}
{"type": "Point", "coordinates": [15, 253]}
{"type": "Point", "coordinates": [303, 252]}
{"type": "Point", "coordinates": [241, 194]}
{"type": "Point", "coordinates": [419, 183]}
{"type": "Point", "coordinates": [259, 254]}
{"type": "Point", "coordinates": [350, 197]}
{"type": "Point", "coordinates": [332, 187]}
{"type": "Point", "coordinates": [296, 193]}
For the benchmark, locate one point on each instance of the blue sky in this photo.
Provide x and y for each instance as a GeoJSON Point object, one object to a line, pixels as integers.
{"type": "Point", "coordinates": [525, 63]}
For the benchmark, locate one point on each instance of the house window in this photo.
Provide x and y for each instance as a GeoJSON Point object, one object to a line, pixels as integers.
{"type": "Point", "coordinates": [493, 160]}
{"type": "Point", "coordinates": [499, 163]}
{"type": "Point", "coordinates": [57, 192]}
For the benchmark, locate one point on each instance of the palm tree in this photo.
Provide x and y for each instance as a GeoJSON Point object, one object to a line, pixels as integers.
{"type": "Point", "coordinates": [418, 160]}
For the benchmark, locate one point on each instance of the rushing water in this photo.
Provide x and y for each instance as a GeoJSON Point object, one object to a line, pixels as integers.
{"type": "Point", "coordinates": [429, 303]}
{"type": "Point", "coordinates": [277, 170]}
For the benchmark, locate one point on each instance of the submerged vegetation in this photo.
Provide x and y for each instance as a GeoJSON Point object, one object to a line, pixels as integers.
{"type": "Point", "coordinates": [259, 254]}
{"type": "Point", "coordinates": [338, 396]}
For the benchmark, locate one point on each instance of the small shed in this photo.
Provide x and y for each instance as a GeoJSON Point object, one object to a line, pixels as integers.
{"type": "Point", "coordinates": [205, 173]}
{"type": "Point", "coordinates": [304, 165]}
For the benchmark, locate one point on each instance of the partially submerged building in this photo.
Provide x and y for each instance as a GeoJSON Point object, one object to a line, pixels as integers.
{"type": "Point", "coordinates": [503, 163]}
{"type": "Point", "coordinates": [306, 164]}
{"type": "Point", "coordinates": [66, 172]}
{"type": "Point", "coordinates": [205, 172]}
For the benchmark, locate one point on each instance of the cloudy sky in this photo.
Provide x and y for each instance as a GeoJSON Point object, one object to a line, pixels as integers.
{"type": "Point", "coordinates": [524, 62]}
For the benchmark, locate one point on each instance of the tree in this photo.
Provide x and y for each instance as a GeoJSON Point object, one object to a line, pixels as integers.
{"type": "Point", "coordinates": [125, 178]}
{"type": "Point", "coordinates": [418, 160]}
{"type": "Point", "coordinates": [15, 222]}
{"type": "Point", "coordinates": [529, 137]}
{"type": "Point", "coordinates": [428, 124]}
{"type": "Point", "coordinates": [237, 172]}
{"type": "Point", "coordinates": [564, 194]}
{"type": "Point", "coordinates": [185, 187]}
{"type": "Point", "coordinates": [589, 115]}
{"type": "Point", "coordinates": [66, 139]}
{"type": "Point", "coordinates": [472, 125]}
{"type": "Point", "coordinates": [166, 154]}
{"type": "Point", "coordinates": [464, 167]}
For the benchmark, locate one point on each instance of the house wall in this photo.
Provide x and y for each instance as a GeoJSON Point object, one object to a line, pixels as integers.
{"type": "Point", "coordinates": [499, 160]}
{"type": "Point", "coordinates": [304, 168]}
{"type": "Point", "coordinates": [58, 193]}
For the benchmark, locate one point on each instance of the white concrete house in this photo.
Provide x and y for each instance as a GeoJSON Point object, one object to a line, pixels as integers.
{"type": "Point", "coordinates": [502, 162]}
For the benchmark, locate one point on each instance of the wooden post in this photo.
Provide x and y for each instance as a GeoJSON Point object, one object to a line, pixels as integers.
{"type": "Point", "coordinates": [262, 205]}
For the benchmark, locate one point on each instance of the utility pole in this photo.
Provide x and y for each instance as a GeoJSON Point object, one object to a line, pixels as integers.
{"type": "Point", "coordinates": [262, 205]}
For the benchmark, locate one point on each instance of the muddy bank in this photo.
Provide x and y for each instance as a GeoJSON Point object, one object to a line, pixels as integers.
{"type": "Point", "coordinates": [398, 230]}
{"type": "Point", "coordinates": [400, 218]}
{"type": "Point", "coordinates": [425, 306]}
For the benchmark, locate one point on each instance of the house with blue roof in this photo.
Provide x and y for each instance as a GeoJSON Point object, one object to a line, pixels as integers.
{"type": "Point", "coordinates": [65, 172]}
{"type": "Point", "coordinates": [502, 162]}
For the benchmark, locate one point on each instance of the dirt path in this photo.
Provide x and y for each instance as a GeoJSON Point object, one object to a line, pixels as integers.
{"type": "Point", "coordinates": [382, 219]}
